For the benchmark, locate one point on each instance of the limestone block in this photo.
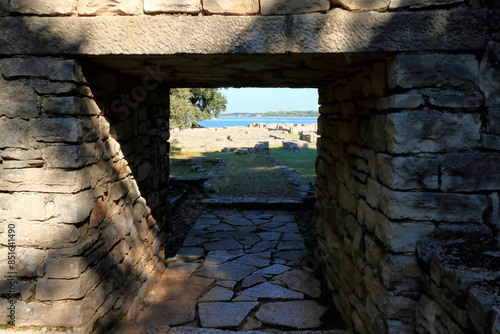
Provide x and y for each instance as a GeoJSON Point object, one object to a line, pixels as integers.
{"type": "Point", "coordinates": [15, 133]}
{"type": "Point", "coordinates": [65, 268]}
{"type": "Point", "coordinates": [489, 74]}
{"type": "Point", "coordinates": [41, 234]}
{"type": "Point", "coordinates": [378, 5]}
{"type": "Point", "coordinates": [69, 105]}
{"type": "Point", "coordinates": [66, 313]}
{"type": "Point", "coordinates": [421, 3]}
{"type": "Point", "coordinates": [245, 7]}
{"type": "Point", "coordinates": [402, 237]}
{"type": "Point", "coordinates": [446, 207]}
{"type": "Point", "coordinates": [98, 7]}
{"type": "Point", "coordinates": [284, 7]}
{"type": "Point", "coordinates": [18, 100]}
{"type": "Point", "coordinates": [74, 208]}
{"type": "Point", "coordinates": [406, 173]}
{"type": "Point", "coordinates": [434, 70]}
{"type": "Point", "coordinates": [400, 101]}
{"type": "Point", "coordinates": [28, 261]}
{"type": "Point", "coordinates": [45, 87]}
{"type": "Point", "coordinates": [457, 100]}
{"type": "Point", "coordinates": [172, 6]}
{"type": "Point", "coordinates": [41, 67]}
{"type": "Point", "coordinates": [60, 289]}
{"type": "Point", "coordinates": [400, 271]}
{"type": "Point", "coordinates": [473, 171]}
{"type": "Point", "coordinates": [70, 156]}
{"type": "Point", "coordinates": [44, 180]}
{"type": "Point", "coordinates": [65, 129]}
{"type": "Point", "coordinates": [13, 206]}
{"type": "Point", "coordinates": [48, 7]}
{"type": "Point", "coordinates": [494, 120]}
{"type": "Point", "coordinates": [420, 131]}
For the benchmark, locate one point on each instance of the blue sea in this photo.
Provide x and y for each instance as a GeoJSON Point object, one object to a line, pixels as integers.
{"type": "Point", "coordinates": [244, 121]}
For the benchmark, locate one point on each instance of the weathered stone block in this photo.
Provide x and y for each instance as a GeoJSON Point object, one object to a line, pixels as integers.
{"type": "Point", "coordinates": [40, 67]}
{"type": "Point", "coordinates": [172, 6]}
{"type": "Point", "coordinates": [284, 7]}
{"type": "Point", "coordinates": [434, 70]}
{"type": "Point", "coordinates": [65, 129]}
{"type": "Point", "coordinates": [44, 180]}
{"type": "Point", "coordinates": [378, 5]}
{"type": "Point", "coordinates": [400, 272]}
{"type": "Point", "coordinates": [446, 207]}
{"type": "Point", "coordinates": [50, 7]}
{"type": "Point", "coordinates": [15, 133]}
{"type": "Point", "coordinates": [489, 73]}
{"type": "Point", "coordinates": [75, 208]}
{"type": "Point", "coordinates": [42, 234]}
{"type": "Point", "coordinates": [65, 268]}
{"type": "Point", "coordinates": [69, 105]}
{"type": "Point", "coordinates": [18, 100]}
{"type": "Point", "coordinates": [400, 101]}
{"type": "Point", "coordinates": [60, 289]}
{"type": "Point", "coordinates": [402, 237]}
{"type": "Point", "coordinates": [421, 3]}
{"type": "Point", "coordinates": [70, 156]}
{"type": "Point", "coordinates": [406, 173]}
{"type": "Point", "coordinates": [472, 171]}
{"type": "Point", "coordinates": [66, 313]}
{"type": "Point", "coordinates": [245, 7]}
{"type": "Point", "coordinates": [98, 7]}
{"type": "Point", "coordinates": [4, 7]}
{"type": "Point", "coordinates": [461, 102]}
{"type": "Point", "coordinates": [27, 264]}
{"type": "Point", "coordinates": [420, 131]}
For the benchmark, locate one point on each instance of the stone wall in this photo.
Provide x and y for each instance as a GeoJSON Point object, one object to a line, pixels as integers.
{"type": "Point", "coordinates": [408, 149]}
{"type": "Point", "coordinates": [88, 248]}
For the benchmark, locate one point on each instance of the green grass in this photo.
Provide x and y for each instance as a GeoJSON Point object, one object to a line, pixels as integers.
{"type": "Point", "coordinates": [302, 162]}
{"type": "Point", "coordinates": [251, 175]}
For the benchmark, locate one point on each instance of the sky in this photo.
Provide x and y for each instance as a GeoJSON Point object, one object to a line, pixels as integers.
{"type": "Point", "coordinates": [258, 100]}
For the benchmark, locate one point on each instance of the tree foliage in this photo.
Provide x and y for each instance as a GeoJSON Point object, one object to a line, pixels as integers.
{"type": "Point", "coordinates": [190, 105]}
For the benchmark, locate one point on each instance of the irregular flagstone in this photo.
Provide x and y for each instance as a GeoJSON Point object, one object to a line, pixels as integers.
{"type": "Point", "coordinates": [203, 223]}
{"type": "Point", "coordinates": [250, 324]}
{"type": "Point", "coordinates": [193, 241]}
{"type": "Point", "coordinates": [220, 314]}
{"type": "Point", "coordinates": [292, 237]}
{"type": "Point", "coordinates": [271, 225]}
{"type": "Point", "coordinates": [257, 259]}
{"type": "Point", "coordinates": [302, 281]}
{"type": "Point", "coordinates": [227, 284]}
{"type": "Point", "coordinates": [275, 269]}
{"type": "Point", "coordinates": [181, 269]}
{"type": "Point", "coordinates": [283, 218]}
{"type": "Point", "coordinates": [289, 245]}
{"type": "Point", "coordinates": [224, 244]}
{"type": "Point", "coordinates": [238, 221]}
{"type": "Point", "coordinates": [204, 281]}
{"type": "Point", "coordinates": [188, 254]}
{"type": "Point", "coordinates": [268, 290]}
{"type": "Point", "coordinates": [289, 255]}
{"type": "Point", "coordinates": [170, 289]}
{"type": "Point", "coordinates": [226, 271]}
{"type": "Point", "coordinates": [197, 233]}
{"type": "Point", "coordinates": [263, 246]}
{"type": "Point", "coordinates": [246, 228]}
{"type": "Point", "coordinates": [298, 314]}
{"type": "Point", "coordinates": [269, 235]}
{"type": "Point", "coordinates": [217, 293]}
{"type": "Point", "coordinates": [252, 280]}
{"type": "Point", "coordinates": [290, 228]}
{"type": "Point", "coordinates": [249, 240]}
{"type": "Point", "coordinates": [171, 312]}
{"type": "Point", "coordinates": [221, 256]}
{"type": "Point", "coordinates": [221, 227]}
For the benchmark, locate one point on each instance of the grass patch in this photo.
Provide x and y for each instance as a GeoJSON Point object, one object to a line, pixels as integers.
{"type": "Point", "coordinates": [251, 175]}
{"type": "Point", "coordinates": [303, 162]}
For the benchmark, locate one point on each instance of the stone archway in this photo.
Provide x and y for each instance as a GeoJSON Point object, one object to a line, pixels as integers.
{"type": "Point", "coordinates": [408, 110]}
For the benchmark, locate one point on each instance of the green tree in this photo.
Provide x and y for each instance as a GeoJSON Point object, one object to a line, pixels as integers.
{"type": "Point", "coordinates": [190, 105]}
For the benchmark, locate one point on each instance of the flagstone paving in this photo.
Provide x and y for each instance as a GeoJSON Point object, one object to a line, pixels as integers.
{"type": "Point", "coordinates": [238, 270]}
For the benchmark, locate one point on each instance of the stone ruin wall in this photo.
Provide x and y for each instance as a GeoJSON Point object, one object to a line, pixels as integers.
{"type": "Point", "coordinates": [234, 137]}
{"type": "Point", "coordinates": [88, 247]}
{"type": "Point", "coordinates": [409, 149]}
{"type": "Point", "coordinates": [381, 185]}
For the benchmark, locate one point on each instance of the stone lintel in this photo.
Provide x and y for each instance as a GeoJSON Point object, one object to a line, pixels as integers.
{"type": "Point", "coordinates": [336, 32]}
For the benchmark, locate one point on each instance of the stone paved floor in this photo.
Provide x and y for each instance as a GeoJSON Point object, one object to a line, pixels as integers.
{"type": "Point", "coordinates": [238, 270]}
